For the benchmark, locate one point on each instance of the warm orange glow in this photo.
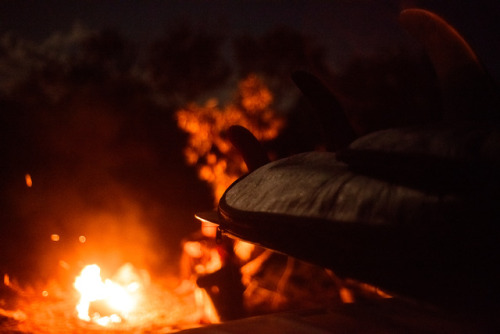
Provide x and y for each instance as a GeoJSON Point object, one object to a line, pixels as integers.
{"type": "Point", "coordinates": [6, 279]}
{"type": "Point", "coordinates": [64, 264]}
{"type": "Point", "coordinates": [209, 229]}
{"type": "Point", "coordinates": [374, 290]}
{"type": "Point", "coordinates": [255, 95]}
{"type": "Point", "coordinates": [252, 267]}
{"type": "Point", "coordinates": [82, 239]}
{"type": "Point", "coordinates": [207, 146]}
{"type": "Point", "coordinates": [193, 248]}
{"type": "Point", "coordinates": [133, 302]}
{"type": "Point", "coordinates": [206, 306]}
{"type": "Point", "coordinates": [243, 250]}
{"type": "Point", "coordinates": [210, 260]}
{"type": "Point", "coordinates": [120, 298]}
{"type": "Point", "coordinates": [383, 294]}
{"type": "Point", "coordinates": [214, 263]}
{"type": "Point", "coordinates": [346, 295]}
{"type": "Point", "coordinates": [29, 181]}
{"type": "Point", "coordinates": [54, 237]}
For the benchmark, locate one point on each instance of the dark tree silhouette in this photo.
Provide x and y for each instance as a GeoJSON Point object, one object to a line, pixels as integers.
{"type": "Point", "coordinates": [186, 63]}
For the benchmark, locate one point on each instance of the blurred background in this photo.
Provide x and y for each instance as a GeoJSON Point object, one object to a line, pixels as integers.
{"type": "Point", "coordinates": [113, 114]}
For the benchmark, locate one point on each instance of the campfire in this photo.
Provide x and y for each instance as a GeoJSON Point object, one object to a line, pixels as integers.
{"type": "Point", "coordinates": [87, 295]}
{"type": "Point", "coordinates": [130, 300]}
{"type": "Point", "coordinates": [216, 281]}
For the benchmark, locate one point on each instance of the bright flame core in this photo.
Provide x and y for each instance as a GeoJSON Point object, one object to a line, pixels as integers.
{"type": "Point", "coordinates": [121, 299]}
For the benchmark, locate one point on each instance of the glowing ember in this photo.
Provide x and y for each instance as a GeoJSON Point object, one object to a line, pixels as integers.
{"type": "Point", "coordinates": [54, 237]}
{"type": "Point", "coordinates": [29, 181]}
{"type": "Point", "coordinates": [116, 299]}
{"type": "Point", "coordinates": [6, 279]}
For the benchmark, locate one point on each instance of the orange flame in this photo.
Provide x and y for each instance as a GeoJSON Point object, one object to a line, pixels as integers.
{"type": "Point", "coordinates": [29, 181]}
{"type": "Point", "coordinates": [6, 279]}
{"type": "Point", "coordinates": [121, 299]}
{"type": "Point", "coordinates": [209, 149]}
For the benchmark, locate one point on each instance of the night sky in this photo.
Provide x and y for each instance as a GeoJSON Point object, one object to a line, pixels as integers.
{"type": "Point", "coordinates": [348, 26]}
{"type": "Point", "coordinates": [88, 90]}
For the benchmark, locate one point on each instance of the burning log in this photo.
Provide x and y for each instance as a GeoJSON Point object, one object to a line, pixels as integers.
{"type": "Point", "coordinates": [412, 210]}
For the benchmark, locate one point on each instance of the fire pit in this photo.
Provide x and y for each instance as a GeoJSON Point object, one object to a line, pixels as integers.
{"type": "Point", "coordinates": [129, 302]}
{"type": "Point", "coordinates": [102, 281]}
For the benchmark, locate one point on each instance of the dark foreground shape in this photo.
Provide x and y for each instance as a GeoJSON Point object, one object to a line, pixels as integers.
{"type": "Point", "coordinates": [390, 316]}
{"type": "Point", "coordinates": [413, 210]}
